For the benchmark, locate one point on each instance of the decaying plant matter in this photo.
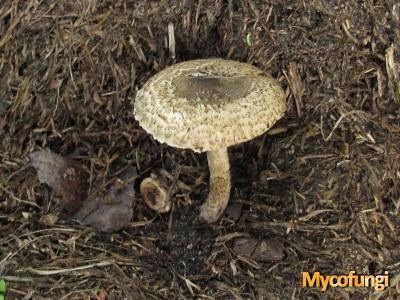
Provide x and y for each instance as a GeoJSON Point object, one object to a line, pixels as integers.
{"type": "Point", "coordinates": [324, 180]}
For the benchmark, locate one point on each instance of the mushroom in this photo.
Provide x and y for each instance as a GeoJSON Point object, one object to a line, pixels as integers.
{"type": "Point", "coordinates": [208, 105]}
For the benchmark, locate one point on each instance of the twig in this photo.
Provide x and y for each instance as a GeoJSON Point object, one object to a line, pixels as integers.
{"type": "Point", "coordinates": [63, 271]}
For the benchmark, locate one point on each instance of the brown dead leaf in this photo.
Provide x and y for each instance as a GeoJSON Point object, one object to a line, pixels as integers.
{"type": "Point", "coordinates": [245, 246]}
{"type": "Point", "coordinates": [65, 177]}
{"type": "Point", "coordinates": [108, 213]}
{"type": "Point", "coordinates": [114, 210]}
{"type": "Point", "coordinates": [264, 250]}
{"type": "Point", "coordinates": [269, 250]}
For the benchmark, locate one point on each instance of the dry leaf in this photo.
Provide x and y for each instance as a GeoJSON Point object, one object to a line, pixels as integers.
{"type": "Point", "coordinates": [113, 211]}
{"type": "Point", "coordinates": [109, 213]}
{"type": "Point", "coordinates": [269, 250]}
{"type": "Point", "coordinates": [245, 246]}
{"type": "Point", "coordinates": [65, 177]}
{"type": "Point", "coordinates": [264, 250]}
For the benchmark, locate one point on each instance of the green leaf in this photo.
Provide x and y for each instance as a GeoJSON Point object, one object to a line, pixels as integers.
{"type": "Point", "coordinates": [2, 287]}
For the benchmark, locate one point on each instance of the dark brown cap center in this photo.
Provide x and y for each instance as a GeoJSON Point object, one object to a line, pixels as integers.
{"type": "Point", "coordinates": [212, 88]}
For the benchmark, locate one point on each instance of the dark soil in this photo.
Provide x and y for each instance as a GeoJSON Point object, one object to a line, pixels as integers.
{"type": "Point", "coordinates": [325, 181]}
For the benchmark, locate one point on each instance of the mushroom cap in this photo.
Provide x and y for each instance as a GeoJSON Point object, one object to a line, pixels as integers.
{"type": "Point", "coordinates": [209, 104]}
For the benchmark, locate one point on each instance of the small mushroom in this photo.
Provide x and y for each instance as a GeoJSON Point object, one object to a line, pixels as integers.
{"type": "Point", "coordinates": [155, 194]}
{"type": "Point", "coordinates": [208, 105]}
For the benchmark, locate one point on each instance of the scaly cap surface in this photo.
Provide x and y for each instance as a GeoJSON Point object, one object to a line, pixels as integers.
{"type": "Point", "coordinates": [208, 104]}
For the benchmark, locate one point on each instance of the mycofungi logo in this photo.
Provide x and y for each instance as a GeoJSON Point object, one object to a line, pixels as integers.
{"type": "Point", "coordinates": [378, 282]}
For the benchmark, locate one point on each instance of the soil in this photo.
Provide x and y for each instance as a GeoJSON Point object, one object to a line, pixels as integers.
{"type": "Point", "coordinates": [324, 182]}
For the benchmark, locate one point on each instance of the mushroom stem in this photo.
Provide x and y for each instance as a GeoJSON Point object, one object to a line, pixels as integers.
{"type": "Point", "coordinates": [155, 194]}
{"type": "Point", "coordinates": [220, 185]}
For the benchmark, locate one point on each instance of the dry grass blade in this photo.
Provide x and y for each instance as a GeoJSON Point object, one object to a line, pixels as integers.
{"type": "Point", "coordinates": [296, 86]}
{"type": "Point", "coordinates": [68, 270]}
